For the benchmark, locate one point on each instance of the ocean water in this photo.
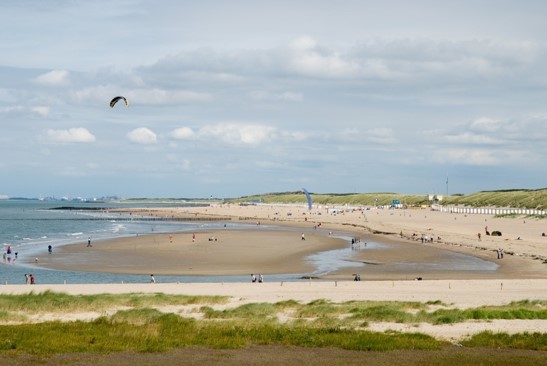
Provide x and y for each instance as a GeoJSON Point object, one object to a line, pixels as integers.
{"type": "Point", "coordinates": [30, 226]}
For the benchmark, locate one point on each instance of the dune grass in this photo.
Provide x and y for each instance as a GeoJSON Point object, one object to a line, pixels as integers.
{"type": "Point", "coordinates": [49, 301]}
{"type": "Point", "coordinates": [320, 323]}
{"type": "Point", "coordinates": [148, 330]}
{"type": "Point", "coordinates": [514, 198]}
{"type": "Point", "coordinates": [530, 341]}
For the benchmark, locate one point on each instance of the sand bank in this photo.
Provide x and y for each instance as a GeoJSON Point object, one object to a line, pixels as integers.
{"type": "Point", "coordinates": [202, 253]}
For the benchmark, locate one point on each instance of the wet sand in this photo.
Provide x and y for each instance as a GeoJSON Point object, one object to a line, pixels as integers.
{"type": "Point", "coordinates": [229, 252]}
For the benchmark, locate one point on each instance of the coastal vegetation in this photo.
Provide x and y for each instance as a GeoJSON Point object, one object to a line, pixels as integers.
{"type": "Point", "coordinates": [160, 323]}
{"type": "Point", "coordinates": [517, 198]}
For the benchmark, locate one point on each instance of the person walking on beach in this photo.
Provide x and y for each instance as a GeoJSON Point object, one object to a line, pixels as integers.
{"type": "Point", "coordinates": [260, 278]}
{"type": "Point", "coordinates": [27, 279]}
{"type": "Point", "coordinates": [253, 278]}
{"type": "Point", "coordinates": [89, 241]}
{"type": "Point", "coordinates": [193, 237]}
{"type": "Point", "coordinates": [152, 279]}
{"type": "Point", "coordinates": [32, 279]}
{"type": "Point", "coordinates": [49, 249]}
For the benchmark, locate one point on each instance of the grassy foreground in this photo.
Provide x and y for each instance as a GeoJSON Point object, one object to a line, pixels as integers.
{"type": "Point", "coordinates": [141, 323]}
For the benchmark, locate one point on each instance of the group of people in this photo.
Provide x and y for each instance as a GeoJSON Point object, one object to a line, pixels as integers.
{"type": "Point", "coordinates": [29, 279]}
{"type": "Point", "coordinates": [254, 279]}
{"type": "Point", "coordinates": [7, 255]}
{"type": "Point", "coordinates": [356, 244]}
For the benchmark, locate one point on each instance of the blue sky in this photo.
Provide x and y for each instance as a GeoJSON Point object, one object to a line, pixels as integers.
{"type": "Point", "coordinates": [232, 98]}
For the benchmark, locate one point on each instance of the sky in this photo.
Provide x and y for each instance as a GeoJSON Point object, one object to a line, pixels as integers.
{"type": "Point", "coordinates": [243, 97]}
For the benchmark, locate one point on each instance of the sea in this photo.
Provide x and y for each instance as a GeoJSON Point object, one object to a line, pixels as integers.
{"type": "Point", "coordinates": [28, 227]}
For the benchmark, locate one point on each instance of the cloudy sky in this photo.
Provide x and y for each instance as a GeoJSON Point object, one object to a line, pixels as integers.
{"type": "Point", "coordinates": [232, 98]}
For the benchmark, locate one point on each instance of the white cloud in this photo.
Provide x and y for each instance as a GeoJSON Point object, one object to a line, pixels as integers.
{"type": "Point", "coordinates": [483, 157]}
{"type": "Point", "coordinates": [423, 60]}
{"type": "Point", "coordinates": [303, 43]}
{"type": "Point", "coordinates": [292, 97]}
{"type": "Point", "coordinates": [158, 96]}
{"type": "Point", "coordinates": [54, 78]}
{"type": "Point", "coordinates": [381, 136]}
{"type": "Point", "coordinates": [300, 135]}
{"type": "Point", "coordinates": [467, 157]}
{"type": "Point", "coordinates": [11, 109]}
{"type": "Point", "coordinates": [429, 59]}
{"type": "Point", "coordinates": [78, 134]}
{"type": "Point", "coordinates": [238, 133]}
{"type": "Point", "coordinates": [486, 124]}
{"type": "Point", "coordinates": [182, 133]}
{"type": "Point", "coordinates": [472, 138]}
{"type": "Point", "coordinates": [306, 57]}
{"type": "Point", "coordinates": [284, 96]}
{"type": "Point", "coordinates": [143, 136]}
{"type": "Point", "coordinates": [41, 110]}
{"type": "Point", "coordinates": [492, 131]}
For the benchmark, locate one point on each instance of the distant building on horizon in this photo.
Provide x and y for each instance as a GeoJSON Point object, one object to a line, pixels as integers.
{"type": "Point", "coordinates": [435, 197]}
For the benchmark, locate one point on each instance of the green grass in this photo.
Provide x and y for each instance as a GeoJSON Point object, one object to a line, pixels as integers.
{"type": "Point", "coordinates": [49, 301]}
{"type": "Point", "coordinates": [320, 323]}
{"type": "Point", "coordinates": [530, 341]}
{"type": "Point", "coordinates": [162, 332]}
{"type": "Point", "coordinates": [516, 310]}
{"type": "Point", "coordinates": [256, 310]}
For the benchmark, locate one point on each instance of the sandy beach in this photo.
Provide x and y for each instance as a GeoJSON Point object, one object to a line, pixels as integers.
{"type": "Point", "coordinates": [450, 249]}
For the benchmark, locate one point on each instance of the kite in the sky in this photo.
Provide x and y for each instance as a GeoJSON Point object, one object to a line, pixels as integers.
{"type": "Point", "coordinates": [116, 100]}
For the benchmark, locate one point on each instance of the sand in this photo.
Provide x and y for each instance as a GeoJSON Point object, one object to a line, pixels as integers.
{"type": "Point", "coordinates": [212, 253]}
